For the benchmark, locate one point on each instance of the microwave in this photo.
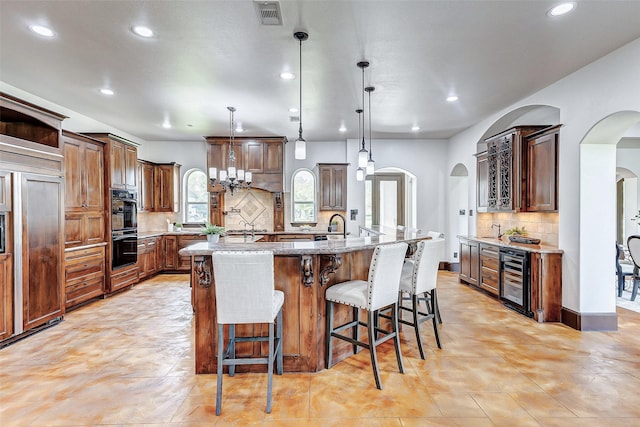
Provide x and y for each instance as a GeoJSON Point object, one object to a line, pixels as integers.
{"type": "Point", "coordinates": [3, 232]}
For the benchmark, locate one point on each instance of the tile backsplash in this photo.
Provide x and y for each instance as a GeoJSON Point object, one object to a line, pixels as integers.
{"type": "Point", "coordinates": [543, 226]}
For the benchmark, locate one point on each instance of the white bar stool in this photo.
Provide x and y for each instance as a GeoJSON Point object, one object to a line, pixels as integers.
{"type": "Point", "coordinates": [244, 283]}
{"type": "Point", "coordinates": [379, 291]}
{"type": "Point", "coordinates": [419, 277]}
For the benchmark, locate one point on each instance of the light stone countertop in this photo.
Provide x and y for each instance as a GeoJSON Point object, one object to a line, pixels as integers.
{"type": "Point", "coordinates": [322, 247]}
{"type": "Point", "coordinates": [504, 242]}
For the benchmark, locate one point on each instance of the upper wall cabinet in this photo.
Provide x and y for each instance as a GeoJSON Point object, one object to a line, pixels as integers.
{"type": "Point", "coordinates": [159, 187]}
{"type": "Point", "coordinates": [122, 161]}
{"type": "Point", "coordinates": [263, 157]}
{"type": "Point", "coordinates": [542, 170]}
{"type": "Point", "coordinates": [333, 186]}
{"type": "Point", "coordinates": [502, 171]}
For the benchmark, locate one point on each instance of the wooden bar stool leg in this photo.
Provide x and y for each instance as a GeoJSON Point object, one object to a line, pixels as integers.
{"type": "Point", "coordinates": [371, 325]}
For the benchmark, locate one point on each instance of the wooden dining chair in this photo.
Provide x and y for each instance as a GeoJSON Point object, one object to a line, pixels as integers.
{"type": "Point", "coordinates": [633, 244]}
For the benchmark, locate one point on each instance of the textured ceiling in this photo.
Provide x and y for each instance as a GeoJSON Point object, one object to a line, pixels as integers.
{"type": "Point", "coordinates": [207, 55]}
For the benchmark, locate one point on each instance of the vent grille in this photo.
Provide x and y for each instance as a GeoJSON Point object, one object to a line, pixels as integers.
{"type": "Point", "coordinates": [268, 12]}
{"type": "Point", "coordinates": [294, 118]}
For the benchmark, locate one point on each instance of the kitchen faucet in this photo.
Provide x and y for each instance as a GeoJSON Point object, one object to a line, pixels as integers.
{"type": "Point", "coordinates": [344, 223]}
{"type": "Point", "coordinates": [497, 225]}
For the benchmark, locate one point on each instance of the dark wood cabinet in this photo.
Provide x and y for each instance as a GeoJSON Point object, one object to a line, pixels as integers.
{"type": "Point", "coordinates": [333, 186]}
{"type": "Point", "coordinates": [262, 156]}
{"type": "Point", "coordinates": [169, 252]}
{"type": "Point", "coordinates": [490, 268]}
{"type": "Point", "coordinates": [184, 262]}
{"type": "Point", "coordinates": [84, 190]}
{"type": "Point", "coordinates": [6, 296]}
{"type": "Point", "coordinates": [167, 186]}
{"type": "Point", "coordinates": [159, 187]}
{"type": "Point", "coordinates": [121, 161]}
{"type": "Point", "coordinates": [542, 171]}
{"type": "Point", "coordinates": [147, 257]}
{"type": "Point", "coordinates": [505, 189]}
{"type": "Point", "coordinates": [42, 249]}
{"type": "Point", "coordinates": [146, 199]}
{"type": "Point", "coordinates": [5, 191]}
{"type": "Point", "coordinates": [546, 286]}
{"type": "Point", "coordinates": [123, 277]}
{"type": "Point", "coordinates": [84, 274]}
{"type": "Point", "coordinates": [469, 262]}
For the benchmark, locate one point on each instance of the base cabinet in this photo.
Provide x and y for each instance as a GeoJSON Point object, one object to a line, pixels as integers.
{"type": "Point", "coordinates": [490, 268]}
{"type": "Point", "coordinates": [123, 277]}
{"type": "Point", "coordinates": [469, 262]}
{"type": "Point", "coordinates": [147, 257]}
{"type": "Point", "coordinates": [84, 275]}
{"type": "Point", "coordinates": [6, 296]}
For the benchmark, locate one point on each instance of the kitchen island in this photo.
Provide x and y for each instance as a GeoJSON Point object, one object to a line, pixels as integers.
{"type": "Point", "coordinates": [303, 271]}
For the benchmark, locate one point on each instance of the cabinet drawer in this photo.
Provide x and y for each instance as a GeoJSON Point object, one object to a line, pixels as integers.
{"type": "Point", "coordinates": [75, 255]}
{"type": "Point", "coordinates": [84, 270]}
{"type": "Point", "coordinates": [184, 241]}
{"type": "Point", "coordinates": [83, 291]}
{"type": "Point", "coordinates": [490, 263]}
{"type": "Point", "coordinates": [124, 277]}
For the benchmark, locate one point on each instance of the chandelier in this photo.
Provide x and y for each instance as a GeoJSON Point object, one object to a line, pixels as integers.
{"type": "Point", "coordinates": [300, 151]}
{"type": "Point", "coordinates": [371, 164]}
{"type": "Point", "coordinates": [231, 178]}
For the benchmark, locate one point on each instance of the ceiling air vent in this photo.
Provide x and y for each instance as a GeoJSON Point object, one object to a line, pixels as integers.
{"type": "Point", "coordinates": [294, 118]}
{"type": "Point", "coordinates": [268, 12]}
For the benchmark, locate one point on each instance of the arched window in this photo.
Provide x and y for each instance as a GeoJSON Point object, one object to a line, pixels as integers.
{"type": "Point", "coordinates": [303, 197]}
{"type": "Point", "coordinates": [196, 197]}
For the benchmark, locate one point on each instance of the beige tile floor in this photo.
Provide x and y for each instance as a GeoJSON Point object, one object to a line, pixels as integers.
{"type": "Point", "coordinates": [128, 360]}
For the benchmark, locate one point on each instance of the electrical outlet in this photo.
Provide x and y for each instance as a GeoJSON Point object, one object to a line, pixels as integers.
{"type": "Point", "coordinates": [455, 255]}
{"type": "Point", "coordinates": [462, 212]}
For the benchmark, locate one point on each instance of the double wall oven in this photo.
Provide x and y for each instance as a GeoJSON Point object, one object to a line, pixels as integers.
{"type": "Point", "coordinates": [124, 228]}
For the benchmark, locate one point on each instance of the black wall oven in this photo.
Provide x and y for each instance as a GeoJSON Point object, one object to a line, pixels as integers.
{"type": "Point", "coordinates": [124, 213]}
{"type": "Point", "coordinates": [124, 228]}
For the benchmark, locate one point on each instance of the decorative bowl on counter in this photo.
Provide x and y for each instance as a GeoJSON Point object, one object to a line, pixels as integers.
{"type": "Point", "coordinates": [522, 239]}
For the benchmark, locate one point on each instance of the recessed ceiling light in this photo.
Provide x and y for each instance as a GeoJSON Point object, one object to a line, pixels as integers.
{"type": "Point", "coordinates": [415, 128]}
{"type": "Point", "coordinates": [561, 9]}
{"type": "Point", "coordinates": [342, 128]}
{"type": "Point", "coordinates": [239, 128]}
{"type": "Point", "coordinates": [42, 30]}
{"type": "Point", "coordinates": [166, 125]}
{"type": "Point", "coordinates": [142, 31]}
{"type": "Point", "coordinates": [452, 98]}
{"type": "Point", "coordinates": [106, 91]}
{"type": "Point", "coordinates": [287, 76]}
{"type": "Point", "coordinates": [293, 110]}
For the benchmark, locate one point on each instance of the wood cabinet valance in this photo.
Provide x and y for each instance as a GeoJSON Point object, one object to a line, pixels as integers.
{"type": "Point", "coordinates": [262, 156]}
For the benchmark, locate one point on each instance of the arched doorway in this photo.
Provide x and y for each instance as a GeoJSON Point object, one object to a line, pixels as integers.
{"type": "Point", "coordinates": [597, 221]}
{"type": "Point", "coordinates": [458, 209]}
{"type": "Point", "coordinates": [627, 204]}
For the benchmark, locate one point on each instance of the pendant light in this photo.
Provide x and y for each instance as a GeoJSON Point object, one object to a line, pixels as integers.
{"type": "Point", "coordinates": [362, 154]}
{"type": "Point", "coordinates": [300, 151]}
{"type": "Point", "coordinates": [371, 164]}
{"type": "Point", "coordinates": [360, 170]}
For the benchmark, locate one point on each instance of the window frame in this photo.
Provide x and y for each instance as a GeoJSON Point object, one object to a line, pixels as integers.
{"type": "Point", "coordinates": [185, 199]}
{"type": "Point", "coordinates": [314, 201]}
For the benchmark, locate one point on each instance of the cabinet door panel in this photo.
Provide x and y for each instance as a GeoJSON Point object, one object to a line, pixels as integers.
{"type": "Point", "coordinates": [117, 165]}
{"type": "Point", "coordinates": [94, 228]}
{"type": "Point", "coordinates": [73, 229]}
{"type": "Point", "coordinates": [6, 296]}
{"type": "Point", "coordinates": [483, 182]}
{"type": "Point", "coordinates": [273, 158]}
{"type": "Point", "coordinates": [94, 178]}
{"type": "Point", "coordinates": [41, 249]}
{"type": "Point", "coordinates": [163, 188]}
{"type": "Point", "coordinates": [73, 175]}
{"type": "Point", "coordinates": [255, 157]}
{"type": "Point", "coordinates": [130, 163]}
{"type": "Point", "coordinates": [5, 191]}
{"type": "Point", "coordinates": [541, 173]}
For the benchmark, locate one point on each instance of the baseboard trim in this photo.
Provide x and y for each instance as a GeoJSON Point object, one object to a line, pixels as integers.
{"type": "Point", "coordinates": [449, 266]}
{"type": "Point", "coordinates": [589, 321]}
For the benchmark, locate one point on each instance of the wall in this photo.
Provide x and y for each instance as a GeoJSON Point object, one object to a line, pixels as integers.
{"type": "Point", "coordinates": [585, 97]}
{"type": "Point", "coordinates": [543, 226]}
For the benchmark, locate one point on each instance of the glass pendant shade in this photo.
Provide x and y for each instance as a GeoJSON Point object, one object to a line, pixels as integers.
{"type": "Point", "coordinates": [371, 167]}
{"type": "Point", "coordinates": [300, 149]}
{"type": "Point", "coordinates": [362, 158]}
{"type": "Point", "coordinates": [360, 174]}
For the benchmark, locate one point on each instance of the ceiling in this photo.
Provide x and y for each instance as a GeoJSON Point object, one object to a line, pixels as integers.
{"type": "Point", "coordinates": [207, 55]}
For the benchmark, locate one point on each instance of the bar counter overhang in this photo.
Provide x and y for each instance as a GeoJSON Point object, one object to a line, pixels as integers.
{"type": "Point", "coordinates": [303, 271]}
